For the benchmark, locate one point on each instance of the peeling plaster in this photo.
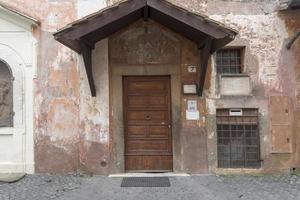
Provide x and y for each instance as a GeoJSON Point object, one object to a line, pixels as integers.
{"type": "Point", "coordinates": [64, 55]}
{"type": "Point", "coordinates": [210, 105]}
{"type": "Point", "coordinates": [211, 135]}
{"type": "Point", "coordinates": [85, 7]}
{"type": "Point", "coordinates": [266, 34]}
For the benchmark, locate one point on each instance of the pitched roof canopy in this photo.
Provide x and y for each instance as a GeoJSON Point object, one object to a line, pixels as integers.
{"type": "Point", "coordinates": [82, 34]}
{"type": "Point", "coordinates": [102, 24]}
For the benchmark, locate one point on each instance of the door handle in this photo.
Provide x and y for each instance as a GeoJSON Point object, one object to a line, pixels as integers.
{"type": "Point", "coordinates": [148, 117]}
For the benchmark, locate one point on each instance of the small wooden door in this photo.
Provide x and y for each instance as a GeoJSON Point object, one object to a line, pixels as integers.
{"type": "Point", "coordinates": [147, 122]}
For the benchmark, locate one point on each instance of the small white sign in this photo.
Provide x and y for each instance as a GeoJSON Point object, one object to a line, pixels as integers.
{"type": "Point", "coordinates": [190, 89]}
{"type": "Point", "coordinates": [192, 112]}
{"type": "Point", "coordinates": [194, 115]}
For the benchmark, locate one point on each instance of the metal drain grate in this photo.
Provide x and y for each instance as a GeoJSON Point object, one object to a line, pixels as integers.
{"type": "Point", "coordinates": [145, 182]}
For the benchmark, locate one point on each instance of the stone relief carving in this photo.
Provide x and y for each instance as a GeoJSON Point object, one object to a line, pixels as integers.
{"type": "Point", "coordinates": [6, 103]}
{"type": "Point", "coordinates": [145, 43]}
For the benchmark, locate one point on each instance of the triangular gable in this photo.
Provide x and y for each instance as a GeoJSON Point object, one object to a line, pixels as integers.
{"type": "Point", "coordinates": [111, 19]}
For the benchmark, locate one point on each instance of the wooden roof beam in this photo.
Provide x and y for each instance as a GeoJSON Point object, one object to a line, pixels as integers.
{"type": "Point", "coordinates": [292, 40]}
{"type": "Point", "coordinates": [204, 55]}
{"type": "Point", "coordinates": [86, 52]}
{"type": "Point", "coordinates": [219, 43]}
{"type": "Point", "coordinates": [146, 13]}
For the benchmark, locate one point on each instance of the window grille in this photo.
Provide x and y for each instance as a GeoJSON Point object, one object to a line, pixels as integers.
{"type": "Point", "coordinates": [229, 61]}
{"type": "Point", "coordinates": [238, 139]}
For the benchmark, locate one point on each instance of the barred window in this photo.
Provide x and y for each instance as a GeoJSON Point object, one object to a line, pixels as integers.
{"type": "Point", "coordinates": [229, 61]}
{"type": "Point", "coordinates": [238, 138]}
{"type": "Point", "coordinates": [6, 96]}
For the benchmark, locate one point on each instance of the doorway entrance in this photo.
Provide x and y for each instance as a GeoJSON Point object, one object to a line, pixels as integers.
{"type": "Point", "coordinates": [147, 123]}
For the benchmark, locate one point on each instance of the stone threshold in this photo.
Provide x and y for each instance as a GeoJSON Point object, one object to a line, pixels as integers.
{"type": "Point", "coordinates": [168, 174]}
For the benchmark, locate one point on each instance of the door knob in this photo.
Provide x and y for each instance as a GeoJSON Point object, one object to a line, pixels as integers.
{"type": "Point", "coordinates": [148, 117]}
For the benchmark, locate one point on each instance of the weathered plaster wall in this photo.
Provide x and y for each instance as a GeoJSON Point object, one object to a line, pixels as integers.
{"type": "Point", "coordinates": [72, 129]}
{"type": "Point", "coordinates": [86, 7]}
{"type": "Point", "coordinates": [56, 87]}
{"type": "Point", "coordinates": [263, 33]}
{"type": "Point", "coordinates": [57, 95]}
{"type": "Point", "coordinates": [94, 115]}
{"type": "Point", "coordinates": [290, 64]}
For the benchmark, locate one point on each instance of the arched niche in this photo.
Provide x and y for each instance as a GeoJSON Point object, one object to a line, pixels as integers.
{"type": "Point", "coordinates": [6, 96]}
{"type": "Point", "coordinates": [12, 60]}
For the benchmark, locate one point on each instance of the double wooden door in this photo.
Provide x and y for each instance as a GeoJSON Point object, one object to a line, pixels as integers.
{"type": "Point", "coordinates": [147, 122]}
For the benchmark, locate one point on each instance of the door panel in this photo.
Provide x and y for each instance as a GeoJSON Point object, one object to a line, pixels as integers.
{"type": "Point", "coordinates": [149, 146]}
{"type": "Point", "coordinates": [147, 120]}
{"type": "Point", "coordinates": [158, 131]}
{"type": "Point", "coordinates": [147, 101]}
{"type": "Point", "coordinates": [147, 117]}
{"type": "Point", "coordinates": [137, 131]}
{"type": "Point", "coordinates": [144, 87]}
{"type": "Point", "coordinates": [145, 162]}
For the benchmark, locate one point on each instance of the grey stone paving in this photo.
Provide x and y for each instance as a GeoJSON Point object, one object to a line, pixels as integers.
{"type": "Point", "coordinates": [195, 187]}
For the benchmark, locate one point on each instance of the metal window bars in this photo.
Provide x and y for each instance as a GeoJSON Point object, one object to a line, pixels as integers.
{"type": "Point", "coordinates": [238, 139]}
{"type": "Point", "coordinates": [229, 61]}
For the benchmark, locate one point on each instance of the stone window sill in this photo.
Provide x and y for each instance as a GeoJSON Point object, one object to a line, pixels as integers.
{"type": "Point", "coordinates": [235, 85]}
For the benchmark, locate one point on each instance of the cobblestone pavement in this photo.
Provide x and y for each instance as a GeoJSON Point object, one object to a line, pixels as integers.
{"type": "Point", "coordinates": [37, 187]}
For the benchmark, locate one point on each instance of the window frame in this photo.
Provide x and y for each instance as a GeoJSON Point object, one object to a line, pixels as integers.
{"type": "Point", "coordinates": [241, 50]}
{"type": "Point", "coordinates": [244, 137]}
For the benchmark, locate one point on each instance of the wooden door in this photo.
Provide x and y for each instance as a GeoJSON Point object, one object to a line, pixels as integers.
{"type": "Point", "coordinates": [147, 122]}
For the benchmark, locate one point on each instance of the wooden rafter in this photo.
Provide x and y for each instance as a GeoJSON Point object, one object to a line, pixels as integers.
{"type": "Point", "coordinates": [146, 13]}
{"type": "Point", "coordinates": [292, 40]}
{"type": "Point", "coordinates": [205, 53]}
{"type": "Point", "coordinates": [86, 52]}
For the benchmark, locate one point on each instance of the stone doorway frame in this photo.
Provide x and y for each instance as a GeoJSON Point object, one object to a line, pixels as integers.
{"type": "Point", "coordinates": [117, 125]}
